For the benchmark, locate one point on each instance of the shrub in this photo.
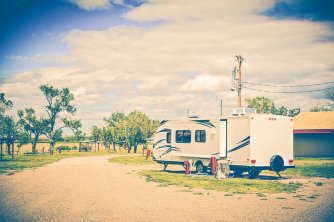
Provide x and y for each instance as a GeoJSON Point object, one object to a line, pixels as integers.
{"type": "Point", "coordinates": [64, 148]}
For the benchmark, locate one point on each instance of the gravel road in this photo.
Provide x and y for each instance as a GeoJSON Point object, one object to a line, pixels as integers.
{"type": "Point", "coordinates": [93, 189]}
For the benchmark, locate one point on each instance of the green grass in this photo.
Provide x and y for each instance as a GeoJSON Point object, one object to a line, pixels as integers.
{"type": "Point", "coordinates": [310, 167]}
{"type": "Point", "coordinates": [236, 185]}
{"type": "Point", "coordinates": [33, 161]}
{"type": "Point", "coordinates": [132, 160]}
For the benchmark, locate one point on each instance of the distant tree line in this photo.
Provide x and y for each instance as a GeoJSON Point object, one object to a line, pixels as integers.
{"type": "Point", "coordinates": [266, 105]}
{"type": "Point", "coordinates": [121, 130]}
{"type": "Point", "coordinates": [30, 127]}
{"type": "Point", "coordinates": [125, 131]}
{"type": "Point", "coordinates": [325, 107]}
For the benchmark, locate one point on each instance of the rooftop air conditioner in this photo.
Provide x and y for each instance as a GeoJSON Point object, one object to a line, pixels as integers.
{"type": "Point", "coordinates": [243, 111]}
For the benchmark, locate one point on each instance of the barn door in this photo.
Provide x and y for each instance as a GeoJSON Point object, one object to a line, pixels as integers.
{"type": "Point", "coordinates": [223, 138]}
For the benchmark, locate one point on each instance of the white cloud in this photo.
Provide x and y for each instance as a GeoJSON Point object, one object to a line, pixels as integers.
{"type": "Point", "coordinates": [91, 5]}
{"type": "Point", "coordinates": [203, 83]}
{"type": "Point", "coordinates": [184, 62]}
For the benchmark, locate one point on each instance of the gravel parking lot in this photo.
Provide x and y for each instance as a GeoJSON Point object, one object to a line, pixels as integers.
{"type": "Point", "coordinates": [93, 189]}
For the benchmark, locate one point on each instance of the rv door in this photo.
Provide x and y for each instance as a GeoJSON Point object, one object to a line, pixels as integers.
{"type": "Point", "coordinates": [223, 138]}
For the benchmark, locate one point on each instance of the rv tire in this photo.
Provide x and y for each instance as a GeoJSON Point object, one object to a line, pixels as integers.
{"type": "Point", "coordinates": [253, 173]}
{"type": "Point", "coordinates": [199, 167]}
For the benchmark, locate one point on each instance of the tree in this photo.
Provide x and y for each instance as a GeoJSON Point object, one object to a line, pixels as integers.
{"type": "Point", "coordinates": [22, 138]}
{"type": "Point", "coordinates": [32, 125]}
{"type": "Point", "coordinates": [106, 135]}
{"type": "Point", "coordinates": [139, 127]}
{"type": "Point", "coordinates": [261, 104]}
{"type": "Point", "coordinates": [95, 135]}
{"type": "Point", "coordinates": [59, 103]}
{"type": "Point", "coordinates": [266, 105]}
{"type": "Point", "coordinates": [4, 103]}
{"type": "Point", "coordinates": [330, 96]}
{"type": "Point", "coordinates": [325, 107]}
{"type": "Point", "coordinates": [318, 107]}
{"type": "Point", "coordinates": [5, 122]}
{"type": "Point", "coordinates": [116, 130]}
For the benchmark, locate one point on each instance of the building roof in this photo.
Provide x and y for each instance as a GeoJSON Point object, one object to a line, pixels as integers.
{"type": "Point", "coordinates": [314, 121]}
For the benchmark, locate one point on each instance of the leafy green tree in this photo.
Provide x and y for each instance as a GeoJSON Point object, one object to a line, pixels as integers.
{"type": "Point", "coordinates": [95, 135]}
{"type": "Point", "coordinates": [59, 103]}
{"type": "Point", "coordinates": [35, 127]}
{"type": "Point", "coordinates": [106, 135]}
{"type": "Point", "coordinates": [261, 104]}
{"type": "Point", "coordinates": [266, 105]}
{"type": "Point", "coordinates": [6, 124]}
{"type": "Point", "coordinates": [8, 132]}
{"type": "Point", "coordinates": [139, 127]}
{"type": "Point", "coordinates": [330, 96]}
{"type": "Point", "coordinates": [325, 107]}
{"type": "Point", "coordinates": [22, 138]}
{"type": "Point", "coordinates": [318, 107]}
{"type": "Point", "coordinates": [116, 130]}
{"type": "Point", "coordinates": [4, 105]}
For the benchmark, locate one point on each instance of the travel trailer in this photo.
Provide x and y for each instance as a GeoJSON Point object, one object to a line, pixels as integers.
{"type": "Point", "coordinates": [250, 142]}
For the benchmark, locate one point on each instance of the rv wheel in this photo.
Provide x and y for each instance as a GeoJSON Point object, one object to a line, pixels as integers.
{"type": "Point", "coordinates": [199, 167]}
{"type": "Point", "coordinates": [276, 163]}
{"type": "Point", "coordinates": [253, 173]}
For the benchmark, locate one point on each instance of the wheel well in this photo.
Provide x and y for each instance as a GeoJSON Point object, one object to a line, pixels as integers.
{"type": "Point", "coordinates": [198, 162]}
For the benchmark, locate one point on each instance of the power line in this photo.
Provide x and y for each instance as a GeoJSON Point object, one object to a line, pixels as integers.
{"type": "Point", "coordinates": [315, 90]}
{"type": "Point", "coordinates": [260, 84]}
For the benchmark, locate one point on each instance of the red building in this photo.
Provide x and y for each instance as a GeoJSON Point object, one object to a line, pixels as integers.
{"type": "Point", "coordinates": [314, 134]}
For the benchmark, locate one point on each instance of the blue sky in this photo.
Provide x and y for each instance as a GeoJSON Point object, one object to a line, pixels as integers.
{"type": "Point", "coordinates": [37, 26]}
{"type": "Point", "coordinates": [162, 57]}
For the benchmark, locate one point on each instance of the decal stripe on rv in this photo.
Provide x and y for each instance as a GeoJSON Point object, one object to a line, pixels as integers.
{"type": "Point", "coordinates": [162, 147]}
{"type": "Point", "coordinates": [173, 148]}
{"type": "Point", "coordinates": [204, 123]}
{"type": "Point", "coordinates": [245, 143]}
{"type": "Point", "coordinates": [164, 130]}
{"type": "Point", "coordinates": [163, 122]}
{"type": "Point", "coordinates": [157, 142]}
{"type": "Point", "coordinates": [247, 138]}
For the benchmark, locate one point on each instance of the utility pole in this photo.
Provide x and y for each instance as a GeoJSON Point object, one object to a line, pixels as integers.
{"type": "Point", "coordinates": [236, 82]}
{"type": "Point", "coordinates": [221, 107]}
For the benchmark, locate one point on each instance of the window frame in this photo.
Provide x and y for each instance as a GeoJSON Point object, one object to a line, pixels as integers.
{"type": "Point", "coordinates": [169, 137]}
{"type": "Point", "coordinates": [183, 136]}
{"type": "Point", "coordinates": [200, 136]}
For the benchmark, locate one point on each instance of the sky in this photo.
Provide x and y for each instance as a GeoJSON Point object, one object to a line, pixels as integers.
{"type": "Point", "coordinates": [164, 56]}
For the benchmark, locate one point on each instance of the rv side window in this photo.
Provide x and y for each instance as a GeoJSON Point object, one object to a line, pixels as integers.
{"type": "Point", "coordinates": [183, 136]}
{"type": "Point", "coordinates": [200, 136]}
{"type": "Point", "coordinates": [168, 137]}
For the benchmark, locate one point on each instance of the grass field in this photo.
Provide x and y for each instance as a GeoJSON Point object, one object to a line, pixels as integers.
{"type": "Point", "coordinates": [134, 160]}
{"type": "Point", "coordinates": [310, 167]}
{"type": "Point", "coordinates": [210, 183]}
{"type": "Point", "coordinates": [32, 161]}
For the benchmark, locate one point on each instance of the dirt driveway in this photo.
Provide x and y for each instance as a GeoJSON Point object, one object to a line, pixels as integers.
{"type": "Point", "coordinates": [93, 189]}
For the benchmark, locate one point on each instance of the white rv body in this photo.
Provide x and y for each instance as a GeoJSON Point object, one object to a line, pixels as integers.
{"type": "Point", "coordinates": [248, 141]}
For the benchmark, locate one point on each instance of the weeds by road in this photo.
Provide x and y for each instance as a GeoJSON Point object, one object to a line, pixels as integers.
{"type": "Point", "coordinates": [210, 183]}
{"type": "Point", "coordinates": [135, 160]}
